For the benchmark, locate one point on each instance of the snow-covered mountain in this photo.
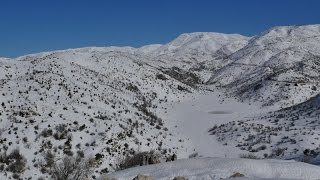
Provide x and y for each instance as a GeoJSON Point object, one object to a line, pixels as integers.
{"type": "Point", "coordinates": [279, 66]}
{"type": "Point", "coordinates": [199, 52]}
{"type": "Point", "coordinates": [176, 99]}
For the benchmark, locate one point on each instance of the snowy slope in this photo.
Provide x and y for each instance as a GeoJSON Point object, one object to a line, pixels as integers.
{"type": "Point", "coordinates": [288, 133]}
{"type": "Point", "coordinates": [222, 168]}
{"type": "Point", "coordinates": [278, 67]}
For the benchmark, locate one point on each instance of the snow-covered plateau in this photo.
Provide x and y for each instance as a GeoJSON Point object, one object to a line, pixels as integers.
{"type": "Point", "coordinates": [210, 99]}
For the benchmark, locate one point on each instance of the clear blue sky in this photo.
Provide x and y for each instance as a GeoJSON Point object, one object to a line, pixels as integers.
{"type": "Point", "coordinates": [28, 26]}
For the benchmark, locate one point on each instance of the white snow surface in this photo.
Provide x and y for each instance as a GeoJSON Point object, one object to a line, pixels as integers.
{"type": "Point", "coordinates": [223, 168]}
{"type": "Point", "coordinates": [196, 116]}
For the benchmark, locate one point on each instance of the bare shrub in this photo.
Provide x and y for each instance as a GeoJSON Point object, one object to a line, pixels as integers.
{"type": "Point", "coordinates": [248, 156]}
{"type": "Point", "coordinates": [16, 162]}
{"type": "Point", "coordinates": [4, 157]}
{"type": "Point", "coordinates": [71, 168]}
{"type": "Point", "coordinates": [61, 132]}
{"type": "Point", "coordinates": [140, 159]}
{"type": "Point", "coordinates": [46, 132]}
{"type": "Point", "coordinates": [278, 151]}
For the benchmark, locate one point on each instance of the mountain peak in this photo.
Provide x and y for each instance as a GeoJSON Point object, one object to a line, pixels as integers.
{"type": "Point", "coordinates": [202, 42]}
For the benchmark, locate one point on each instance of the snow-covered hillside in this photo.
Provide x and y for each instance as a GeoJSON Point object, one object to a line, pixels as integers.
{"type": "Point", "coordinates": [291, 133]}
{"type": "Point", "coordinates": [87, 100]}
{"type": "Point", "coordinates": [201, 91]}
{"type": "Point", "coordinates": [278, 67]}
